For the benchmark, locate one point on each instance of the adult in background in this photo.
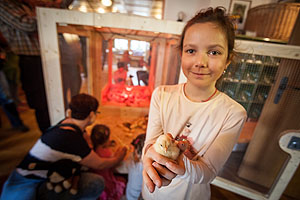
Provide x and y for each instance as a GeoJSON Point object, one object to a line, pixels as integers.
{"type": "Point", "coordinates": [72, 67]}
{"type": "Point", "coordinates": [67, 140]}
{"type": "Point", "coordinates": [19, 28]}
{"type": "Point", "coordinates": [6, 100]}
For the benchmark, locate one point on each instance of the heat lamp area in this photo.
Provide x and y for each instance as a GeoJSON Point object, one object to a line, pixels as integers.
{"type": "Point", "coordinates": [130, 80]}
{"type": "Point", "coordinates": [124, 95]}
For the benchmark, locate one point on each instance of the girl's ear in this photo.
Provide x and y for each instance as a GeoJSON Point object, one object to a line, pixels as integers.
{"type": "Point", "coordinates": [230, 57]}
{"type": "Point", "coordinates": [228, 63]}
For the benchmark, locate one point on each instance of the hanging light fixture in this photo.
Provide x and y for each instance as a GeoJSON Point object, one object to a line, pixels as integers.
{"type": "Point", "coordinates": [100, 6]}
{"type": "Point", "coordinates": [157, 16]}
{"type": "Point", "coordinates": [100, 10]}
{"type": "Point", "coordinates": [114, 9]}
{"type": "Point", "coordinates": [106, 3]}
{"type": "Point", "coordinates": [81, 5]}
{"type": "Point", "coordinates": [97, 6]}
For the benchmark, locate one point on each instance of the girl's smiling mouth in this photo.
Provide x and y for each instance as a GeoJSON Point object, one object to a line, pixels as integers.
{"type": "Point", "coordinates": [200, 73]}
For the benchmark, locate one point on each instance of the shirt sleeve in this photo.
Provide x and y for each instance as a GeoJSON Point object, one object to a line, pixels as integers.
{"type": "Point", "coordinates": [154, 127]}
{"type": "Point", "coordinates": [204, 168]}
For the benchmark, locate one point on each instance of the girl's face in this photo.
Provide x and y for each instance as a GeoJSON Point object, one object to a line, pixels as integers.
{"type": "Point", "coordinates": [204, 54]}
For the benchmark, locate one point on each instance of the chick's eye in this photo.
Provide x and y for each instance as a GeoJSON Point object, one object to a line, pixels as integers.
{"type": "Point", "coordinates": [161, 145]}
{"type": "Point", "coordinates": [214, 53]}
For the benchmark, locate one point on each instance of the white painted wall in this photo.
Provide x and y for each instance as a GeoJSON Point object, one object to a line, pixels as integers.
{"type": "Point", "coordinates": [224, 3]}
{"type": "Point", "coordinates": [190, 7]}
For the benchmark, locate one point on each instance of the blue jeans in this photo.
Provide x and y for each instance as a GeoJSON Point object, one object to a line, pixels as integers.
{"type": "Point", "coordinates": [4, 90]}
{"type": "Point", "coordinates": [90, 187]}
{"type": "Point", "coordinates": [19, 187]}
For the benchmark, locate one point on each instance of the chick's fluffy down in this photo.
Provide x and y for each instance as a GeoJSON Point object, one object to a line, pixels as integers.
{"type": "Point", "coordinates": [167, 146]}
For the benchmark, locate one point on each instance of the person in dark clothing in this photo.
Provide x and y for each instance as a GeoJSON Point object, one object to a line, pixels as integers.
{"type": "Point", "coordinates": [9, 106]}
{"type": "Point", "coordinates": [6, 101]}
{"type": "Point", "coordinates": [19, 28]}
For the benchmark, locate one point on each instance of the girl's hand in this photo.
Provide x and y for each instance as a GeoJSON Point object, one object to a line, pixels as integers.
{"type": "Point", "coordinates": [159, 170]}
{"type": "Point", "coordinates": [176, 167]}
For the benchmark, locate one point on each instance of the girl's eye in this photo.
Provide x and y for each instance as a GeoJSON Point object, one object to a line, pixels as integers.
{"type": "Point", "coordinates": [190, 51]}
{"type": "Point", "coordinates": [214, 53]}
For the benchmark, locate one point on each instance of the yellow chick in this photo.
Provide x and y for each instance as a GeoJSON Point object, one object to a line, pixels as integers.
{"type": "Point", "coordinates": [167, 146]}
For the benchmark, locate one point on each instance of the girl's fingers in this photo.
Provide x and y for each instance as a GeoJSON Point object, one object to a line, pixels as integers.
{"type": "Point", "coordinates": [148, 182]}
{"type": "Point", "coordinates": [154, 176]}
{"type": "Point", "coordinates": [157, 157]}
{"type": "Point", "coordinates": [177, 168]}
{"type": "Point", "coordinates": [165, 182]}
{"type": "Point", "coordinates": [163, 171]}
{"type": "Point", "coordinates": [151, 172]}
{"type": "Point", "coordinates": [157, 174]}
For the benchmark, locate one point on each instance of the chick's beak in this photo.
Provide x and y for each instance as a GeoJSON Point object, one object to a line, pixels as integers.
{"type": "Point", "coordinates": [166, 149]}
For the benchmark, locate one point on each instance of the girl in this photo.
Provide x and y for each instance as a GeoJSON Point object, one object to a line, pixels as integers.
{"type": "Point", "coordinates": [209, 119]}
{"type": "Point", "coordinates": [114, 188]}
{"type": "Point", "coordinates": [133, 167]}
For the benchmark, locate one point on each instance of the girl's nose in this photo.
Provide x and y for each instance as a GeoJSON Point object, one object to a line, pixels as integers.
{"type": "Point", "coordinates": [201, 60]}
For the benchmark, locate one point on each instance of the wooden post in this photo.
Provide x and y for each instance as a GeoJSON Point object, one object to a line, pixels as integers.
{"type": "Point", "coordinates": [152, 66]}
{"type": "Point", "coordinates": [166, 63]}
{"type": "Point", "coordinates": [110, 61]}
{"type": "Point", "coordinates": [95, 67]}
{"type": "Point", "coordinates": [161, 48]}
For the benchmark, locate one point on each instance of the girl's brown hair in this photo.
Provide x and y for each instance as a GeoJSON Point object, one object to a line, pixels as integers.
{"type": "Point", "coordinates": [218, 17]}
{"type": "Point", "coordinates": [100, 135]}
{"type": "Point", "coordinates": [138, 143]}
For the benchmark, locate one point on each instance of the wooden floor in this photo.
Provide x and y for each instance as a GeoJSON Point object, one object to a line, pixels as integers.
{"type": "Point", "coordinates": [14, 145]}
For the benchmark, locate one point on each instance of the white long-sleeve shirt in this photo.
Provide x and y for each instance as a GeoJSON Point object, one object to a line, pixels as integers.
{"type": "Point", "coordinates": [212, 127]}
